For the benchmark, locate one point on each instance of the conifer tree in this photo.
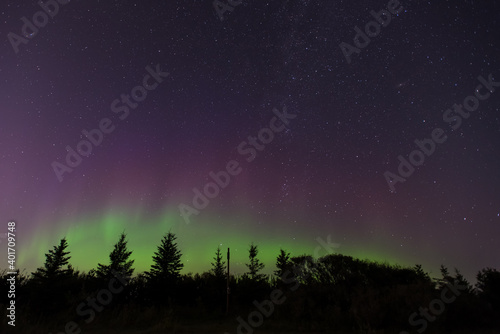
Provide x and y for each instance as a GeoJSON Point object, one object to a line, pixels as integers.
{"type": "Point", "coordinates": [255, 265]}
{"type": "Point", "coordinates": [218, 268]}
{"type": "Point", "coordinates": [463, 282]}
{"type": "Point", "coordinates": [421, 274]}
{"type": "Point", "coordinates": [55, 261]}
{"type": "Point", "coordinates": [488, 286]}
{"type": "Point", "coordinates": [446, 277]}
{"type": "Point", "coordinates": [119, 261]}
{"type": "Point", "coordinates": [283, 263]}
{"type": "Point", "coordinates": [167, 260]}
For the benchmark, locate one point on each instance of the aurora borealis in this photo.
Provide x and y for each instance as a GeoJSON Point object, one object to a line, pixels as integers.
{"type": "Point", "coordinates": [322, 174]}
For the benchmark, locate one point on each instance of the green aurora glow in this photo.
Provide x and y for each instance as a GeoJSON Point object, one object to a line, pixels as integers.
{"type": "Point", "coordinates": [91, 239]}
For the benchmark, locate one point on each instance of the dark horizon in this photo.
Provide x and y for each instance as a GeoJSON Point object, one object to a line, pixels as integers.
{"type": "Point", "coordinates": [215, 299]}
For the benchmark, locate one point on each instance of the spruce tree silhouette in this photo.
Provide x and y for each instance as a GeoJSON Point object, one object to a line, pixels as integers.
{"type": "Point", "coordinates": [255, 265]}
{"type": "Point", "coordinates": [446, 277]}
{"type": "Point", "coordinates": [119, 261]}
{"type": "Point", "coordinates": [218, 267]}
{"type": "Point", "coordinates": [420, 273]}
{"type": "Point", "coordinates": [283, 263]}
{"type": "Point", "coordinates": [53, 281]}
{"type": "Point", "coordinates": [462, 281]}
{"type": "Point", "coordinates": [55, 260]}
{"type": "Point", "coordinates": [167, 260]}
{"type": "Point", "coordinates": [488, 287]}
{"type": "Point", "coordinates": [164, 274]}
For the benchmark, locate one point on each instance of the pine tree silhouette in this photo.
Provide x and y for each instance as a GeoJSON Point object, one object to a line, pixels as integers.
{"type": "Point", "coordinates": [488, 286]}
{"type": "Point", "coordinates": [421, 274]}
{"type": "Point", "coordinates": [53, 281]}
{"type": "Point", "coordinates": [462, 281]}
{"type": "Point", "coordinates": [55, 260]}
{"type": "Point", "coordinates": [446, 277]}
{"type": "Point", "coordinates": [218, 268]}
{"type": "Point", "coordinates": [283, 263]}
{"type": "Point", "coordinates": [167, 260]}
{"type": "Point", "coordinates": [255, 265]}
{"type": "Point", "coordinates": [119, 262]}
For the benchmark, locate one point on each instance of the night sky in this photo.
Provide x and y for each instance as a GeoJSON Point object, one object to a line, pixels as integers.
{"type": "Point", "coordinates": [217, 87]}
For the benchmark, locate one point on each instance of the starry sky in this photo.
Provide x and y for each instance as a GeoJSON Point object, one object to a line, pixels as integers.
{"type": "Point", "coordinates": [322, 174]}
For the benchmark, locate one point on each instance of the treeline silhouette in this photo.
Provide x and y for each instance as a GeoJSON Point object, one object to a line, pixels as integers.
{"type": "Point", "coordinates": [334, 292]}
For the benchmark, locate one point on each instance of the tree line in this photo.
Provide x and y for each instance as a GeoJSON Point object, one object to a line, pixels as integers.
{"type": "Point", "coordinates": [332, 292]}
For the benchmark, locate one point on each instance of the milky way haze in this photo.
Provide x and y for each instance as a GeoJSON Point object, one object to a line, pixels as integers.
{"type": "Point", "coordinates": [156, 116]}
